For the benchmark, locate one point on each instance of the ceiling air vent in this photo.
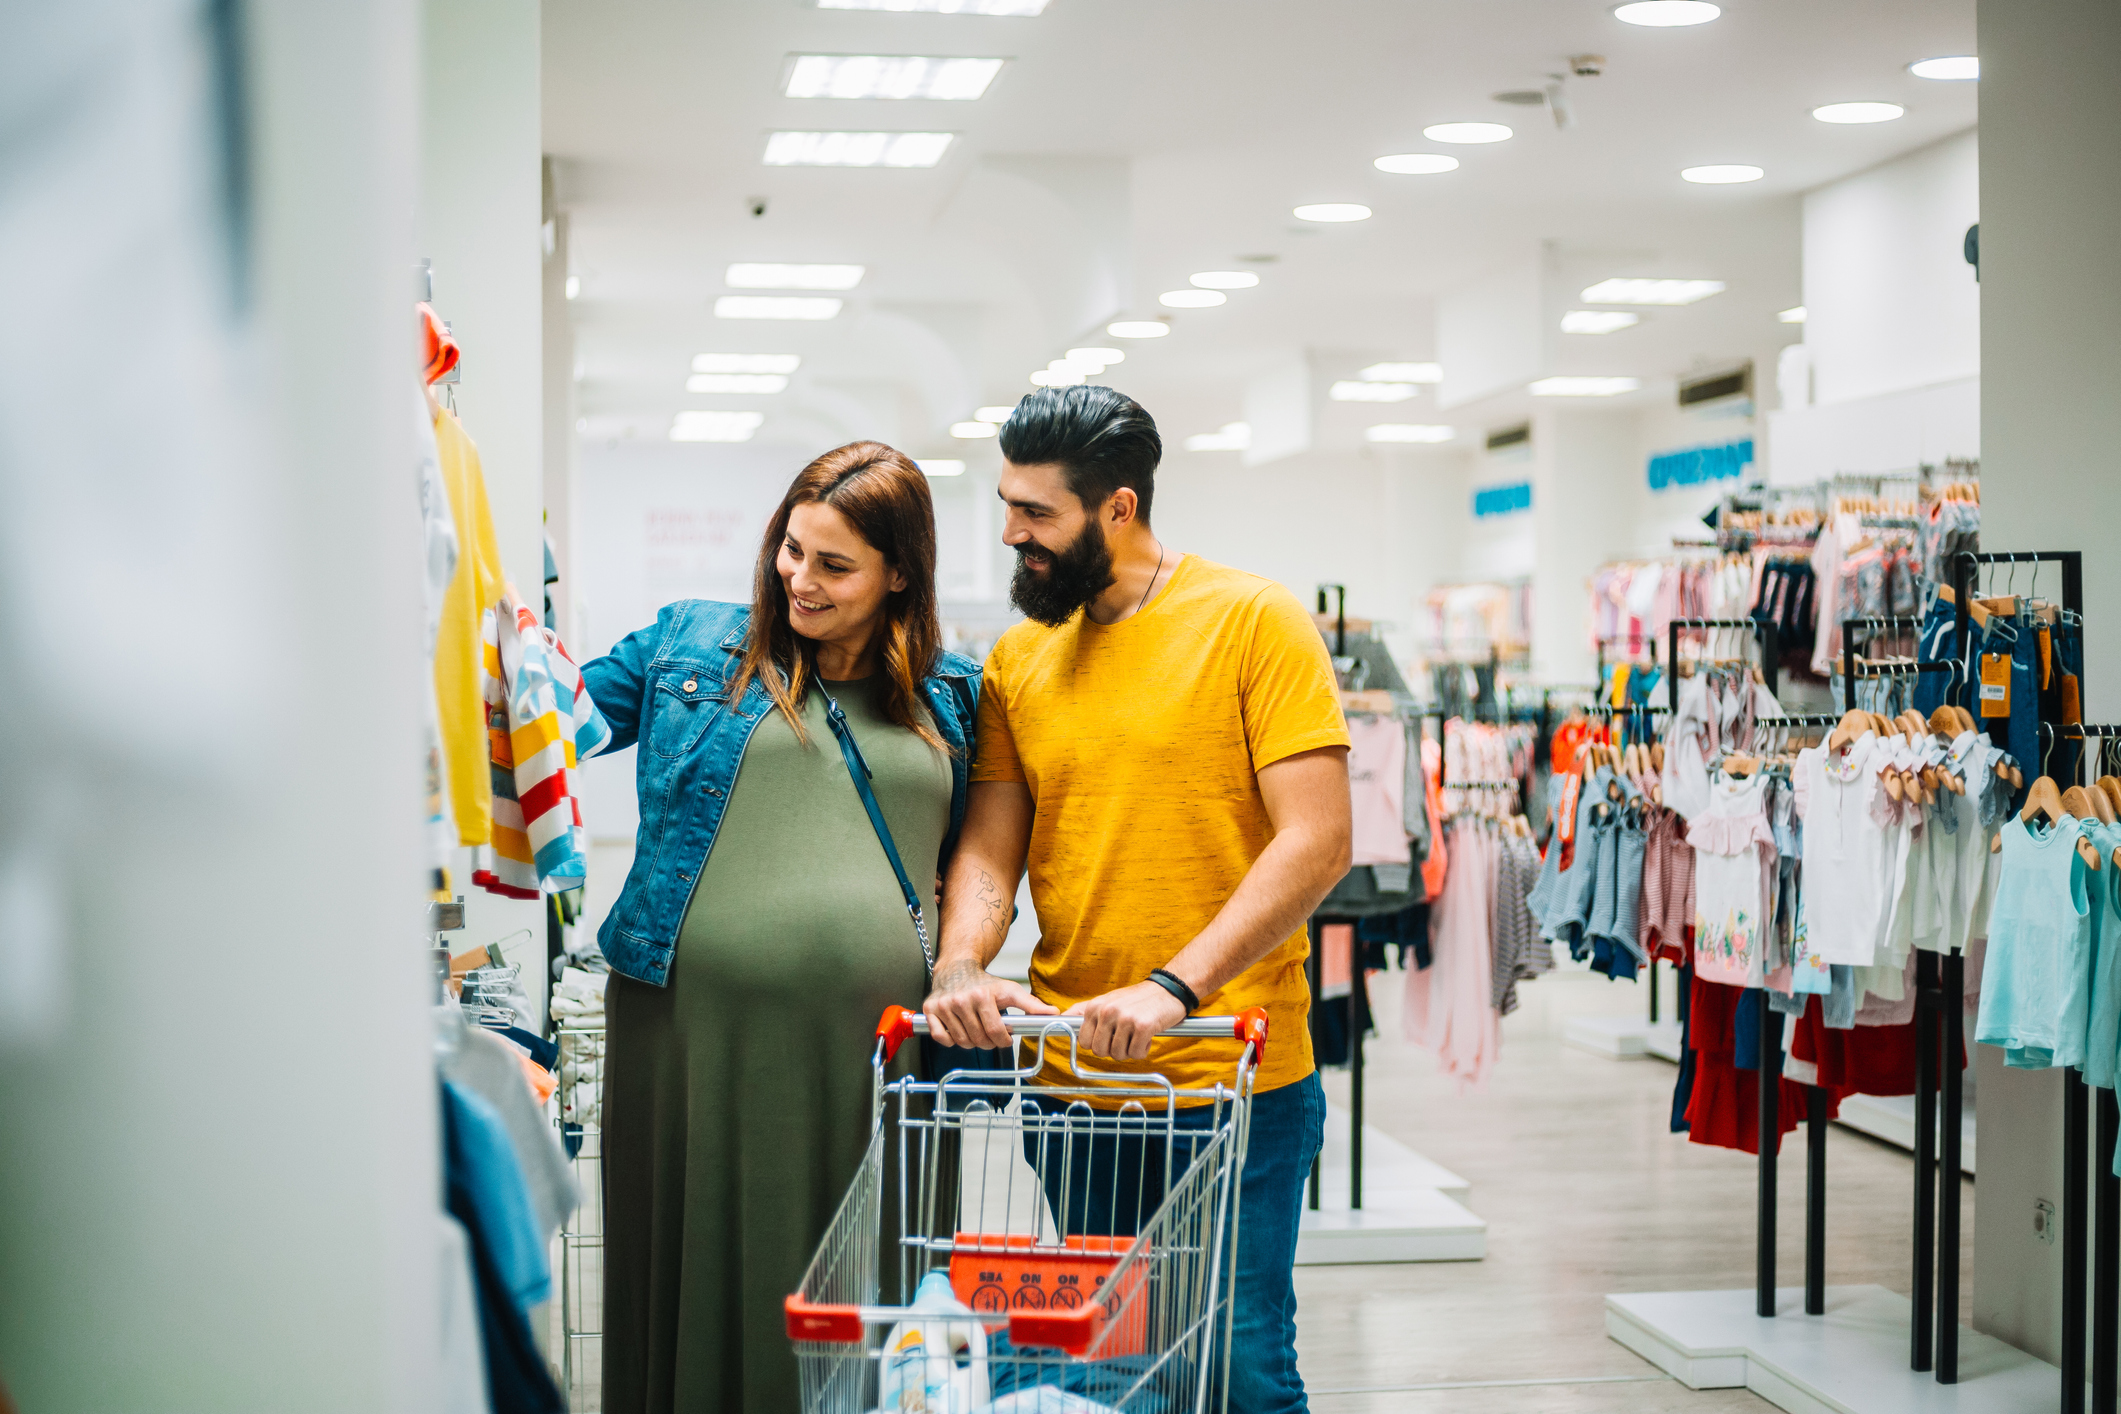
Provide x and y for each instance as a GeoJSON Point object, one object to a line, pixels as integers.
{"type": "Point", "coordinates": [1736, 383]}
{"type": "Point", "coordinates": [1506, 437]}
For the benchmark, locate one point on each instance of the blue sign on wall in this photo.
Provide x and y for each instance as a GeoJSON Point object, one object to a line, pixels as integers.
{"type": "Point", "coordinates": [1502, 500]}
{"type": "Point", "coordinates": [1699, 464]}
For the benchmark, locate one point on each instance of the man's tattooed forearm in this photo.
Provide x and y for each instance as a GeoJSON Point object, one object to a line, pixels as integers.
{"type": "Point", "coordinates": [958, 974]}
{"type": "Point", "coordinates": [996, 923]}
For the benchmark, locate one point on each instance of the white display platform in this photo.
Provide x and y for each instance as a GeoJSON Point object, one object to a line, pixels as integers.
{"type": "Point", "coordinates": [1411, 1210]}
{"type": "Point", "coordinates": [1892, 1118]}
{"type": "Point", "coordinates": [1622, 1037]}
{"type": "Point", "coordinates": [1852, 1360]}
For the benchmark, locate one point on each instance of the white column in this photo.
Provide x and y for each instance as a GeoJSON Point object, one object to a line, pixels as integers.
{"type": "Point", "coordinates": [1584, 466]}
{"type": "Point", "coordinates": [2050, 427]}
{"type": "Point", "coordinates": [219, 1179]}
{"type": "Point", "coordinates": [481, 210]}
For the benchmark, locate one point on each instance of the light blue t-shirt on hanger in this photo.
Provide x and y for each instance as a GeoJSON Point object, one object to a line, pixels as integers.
{"type": "Point", "coordinates": [2036, 981]}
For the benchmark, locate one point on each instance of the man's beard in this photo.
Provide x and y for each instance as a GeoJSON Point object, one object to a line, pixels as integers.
{"type": "Point", "coordinates": [1075, 574]}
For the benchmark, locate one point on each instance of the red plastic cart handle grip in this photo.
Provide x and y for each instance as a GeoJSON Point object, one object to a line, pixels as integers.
{"type": "Point", "coordinates": [816, 1322]}
{"type": "Point", "coordinates": [1252, 1026]}
{"type": "Point", "coordinates": [896, 1026]}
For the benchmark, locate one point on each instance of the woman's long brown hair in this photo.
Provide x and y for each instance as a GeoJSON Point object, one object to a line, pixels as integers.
{"type": "Point", "coordinates": [884, 496]}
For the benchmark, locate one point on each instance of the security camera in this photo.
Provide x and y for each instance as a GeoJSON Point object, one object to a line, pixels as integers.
{"type": "Point", "coordinates": [756, 206]}
{"type": "Point", "coordinates": [1587, 66]}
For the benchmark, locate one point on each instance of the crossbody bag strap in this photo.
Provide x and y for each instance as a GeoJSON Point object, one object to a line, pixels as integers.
{"type": "Point", "coordinates": [858, 772]}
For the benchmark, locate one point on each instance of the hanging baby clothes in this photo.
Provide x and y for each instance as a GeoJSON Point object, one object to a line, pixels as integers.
{"type": "Point", "coordinates": [1845, 852]}
{"type": "Point", "coordinates": [1377, 778]}
{"type": "Point", "coordinates": [1448, 1008]}
{"type": "Point", "coordinates": [476, 586]}
{"type": "Point", "coordinates": [1667, 906]}
{"type": "Point", "coordinates": [1716, 713]}
{"type": "Point", "coordinates": [1733, 875]}
{"type": "Point", "coordinates": [1520, 953]}
{"type": "Point", "coordinates": [2036, 984]}
{"type": "Point", "coordinates": [542, 723]}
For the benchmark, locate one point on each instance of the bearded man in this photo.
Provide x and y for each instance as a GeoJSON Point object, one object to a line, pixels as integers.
{"type": "Point", "coordinates": [1162, 744]}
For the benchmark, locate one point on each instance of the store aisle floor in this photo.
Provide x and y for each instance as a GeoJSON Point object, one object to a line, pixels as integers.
{"type": "Point", "coordinates": [1585, 1193]}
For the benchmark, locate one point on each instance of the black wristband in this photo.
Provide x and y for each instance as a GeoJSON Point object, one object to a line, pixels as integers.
{"type": "Point", "coordinates": [1176, 986]}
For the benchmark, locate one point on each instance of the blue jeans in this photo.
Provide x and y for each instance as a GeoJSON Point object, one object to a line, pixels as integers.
{"type": "Point", "coordinates": [1112, 1185]}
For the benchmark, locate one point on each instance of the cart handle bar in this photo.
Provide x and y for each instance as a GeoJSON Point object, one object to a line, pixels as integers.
{"type": "Point", "coordinates": [1073, 1331]}
{"type": "Point", "coordinates": [1248, 1025]}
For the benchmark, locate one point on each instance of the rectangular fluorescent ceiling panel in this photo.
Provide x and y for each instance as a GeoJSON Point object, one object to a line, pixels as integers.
{"type": "Point", "coordinates": [1231, 437]}
{"type": "Point", "coordinates": [793, 149]}
{"type": "Point", "coordinates": [715, 426]}
{"type": "Point", "coordinates": [1583, 387]}
{"type": "Point", "coordinates": [1351, 392]}
{"type": "Point", "coordinates": [746, 363]}
{"type": "Point", "coordinates": [793, 277]}
{"type": "Point", "coordinates": [941, 7]}
{"type": "Point", "coordinates": [888, 76]}
{"type": "Point", "coordinates": [776, 307]}
{"type": "Point", "coordinates": [1624, 291]}
{"type": "Point", "coordinates": [1409, 432]}
{"type": "Point", "coordinates": [1598, 321]}
{"type": "Point", "coordinates": [1403, 373]}
{"type": "Point", "coordinates": [736, 383]}
{"type": "Point", "coordinates": [940, 467]}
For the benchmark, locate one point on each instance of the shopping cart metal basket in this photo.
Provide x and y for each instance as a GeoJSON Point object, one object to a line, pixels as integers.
{"type": "Point", "coordinates": [1084, 1231]}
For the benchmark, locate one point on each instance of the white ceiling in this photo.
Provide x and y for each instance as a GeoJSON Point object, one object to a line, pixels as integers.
{"type": "Point", "coordinates": [1178, 135]}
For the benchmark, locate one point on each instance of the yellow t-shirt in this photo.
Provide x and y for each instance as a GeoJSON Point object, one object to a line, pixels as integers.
{"type": "Point", "coordinates": [1140, 742]}
{"type": "Point", "coordinates": [460, 715]}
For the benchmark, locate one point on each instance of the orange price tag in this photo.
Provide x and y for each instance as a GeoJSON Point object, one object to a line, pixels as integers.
{"type": "Point", "coordinates": [1995, 684]}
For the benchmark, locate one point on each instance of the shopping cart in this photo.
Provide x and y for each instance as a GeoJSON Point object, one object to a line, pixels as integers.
{"type": "Point", "coordinates": [1084, 1231]}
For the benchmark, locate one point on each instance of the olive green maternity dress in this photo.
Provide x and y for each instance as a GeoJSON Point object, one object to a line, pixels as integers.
{"type": "Point", "coordinates": [737, 1098]}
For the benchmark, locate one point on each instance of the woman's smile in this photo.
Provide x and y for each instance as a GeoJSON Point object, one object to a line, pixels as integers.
{"type": "Point", "coordinates": [808, 606]}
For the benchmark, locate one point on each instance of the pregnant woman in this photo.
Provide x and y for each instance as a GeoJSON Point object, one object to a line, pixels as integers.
{"type": "Point", "coordinates": [762, 929]}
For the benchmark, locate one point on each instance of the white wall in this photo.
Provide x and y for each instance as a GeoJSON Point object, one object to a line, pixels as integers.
{"type": "Point", "coordinates": [2051, 360]}
{"type": "Point", "coordinates": [1891, 303]}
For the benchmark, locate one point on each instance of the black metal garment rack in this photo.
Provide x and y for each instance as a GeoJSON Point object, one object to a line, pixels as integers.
{"type": "Point", "coordinates": [2076, 1139]}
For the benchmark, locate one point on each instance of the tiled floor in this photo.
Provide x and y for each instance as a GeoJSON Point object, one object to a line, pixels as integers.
{"type": "Point", "coordinates": [1585, 1192]}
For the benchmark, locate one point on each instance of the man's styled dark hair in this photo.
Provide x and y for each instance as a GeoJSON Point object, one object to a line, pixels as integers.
{"type": "Point", "coordinates": [1101, 440]}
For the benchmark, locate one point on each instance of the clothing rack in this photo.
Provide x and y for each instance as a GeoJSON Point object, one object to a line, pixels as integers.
{"type": "Point", "coordinates": [2106, 1203]}
{"type": "Point", "coordinates": [1933, 991]}
{"type": "Point", "coordinates": [2076, 1158]}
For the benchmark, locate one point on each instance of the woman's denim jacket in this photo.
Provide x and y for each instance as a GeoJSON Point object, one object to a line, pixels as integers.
{"type": "Point", "coordinates": [666, 687]}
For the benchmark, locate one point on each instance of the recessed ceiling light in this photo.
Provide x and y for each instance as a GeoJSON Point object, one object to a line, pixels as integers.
{"type": "Point", "coordinates": [1404, 373]}
{"type": "Point", "coordinates": [1225, 279]}
{"type": "Point", "coordinates": [1056, 378]}
{"type": "Point", "coordinates": [746, 363]}
{"type": "Point", "coordinates": [1138, 329]}
{"type": "Point", "coordinates": [1468, 132]}
{"type": "Point", "coordinates": [1087, 367]}
{"type": "Point", "coordinates": [943, 467]}
{"type": "Point", "coordinates": [1858, 112]}
{"type": "Point", "coordinates": [1597, 321]}
{"type": "Point", "coordinates": [1347, 391]}
{"type": "Point", "coordinates": [888, 76]}
{"type": "Point", "coordinates": [972, 429]}
{"type": "Point", "coordinates": [1793, 315]}
{"type": "Point", "coordinates": [715, 426]}
{"type": "Point", "coordinates": [574, 286]}
{"type": "Point", "coordinates": [736, 383]}
{"type": "Point", "coordinates": [793, 277]}
{"type": "Point", "coordinates": [776, 307]}
{"type": "Point", "coordinates": [996, 415]}
{"type": "Point", "coordinates": [1416, 164]}
{"type": "Point", "coordinates": [1627, 291]}
{"type": "Point", "coordinates": [1231, 437]}
{"type": "Point", "coordinates": [1667, 14]}
{"type": "Point", "coordinates": [941, 7]}
{"type": "Point", "coordinates": [1333, 211]}
{"type": "Point", "coordinates": [1583, 387]}
{"type": "Point", "coordinates": [1952, 68]}
{"type": "Point", "coordinates": [1104, 356]}
{"type": "Point", "coordinates": [1409, 432]}
{"type": "Point", "coordinates": [1192, 299]}
{"type": "Point", "coordinates": [1722, 174]}
{"type": "Point", "coordinates": [792, 149]}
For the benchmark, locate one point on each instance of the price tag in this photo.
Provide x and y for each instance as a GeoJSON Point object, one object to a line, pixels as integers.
{"type": "Point", "coordinates": [1995, 684]}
